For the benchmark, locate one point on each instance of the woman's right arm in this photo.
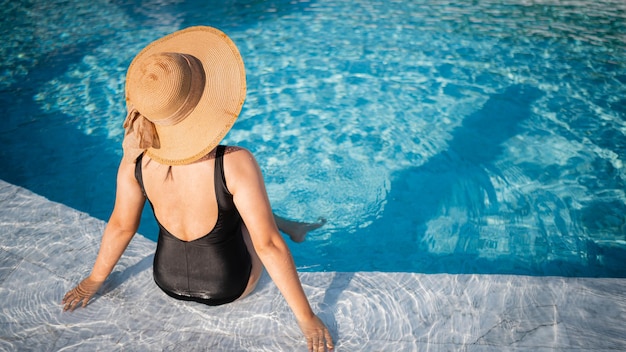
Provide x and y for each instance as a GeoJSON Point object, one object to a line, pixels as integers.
{"type": "Point", "coordinates": [120, 229]}
{"type": "Point", "coordinates": [245, 181]}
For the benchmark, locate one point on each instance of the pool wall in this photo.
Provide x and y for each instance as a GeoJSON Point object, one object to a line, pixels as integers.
{"type": "Point", "coordinates": [46, 247]}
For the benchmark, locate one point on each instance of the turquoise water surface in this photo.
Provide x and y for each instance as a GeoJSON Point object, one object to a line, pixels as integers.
{"type": "Point", "coordinates": [434, 136]}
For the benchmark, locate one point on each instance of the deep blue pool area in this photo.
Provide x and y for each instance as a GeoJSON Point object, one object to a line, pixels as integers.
{"type": "Point", "coordinates": [434, 136]}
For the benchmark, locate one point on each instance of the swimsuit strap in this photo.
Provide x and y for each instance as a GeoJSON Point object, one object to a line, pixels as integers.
{"type": "Point", "coordinates": [221, 191]}
{"type": "Point", "coordinates": [139, 174]}
{"type": "Point", "coordinates": [219, 168]}
{"type": "Point", "coordinates": [223, 195]}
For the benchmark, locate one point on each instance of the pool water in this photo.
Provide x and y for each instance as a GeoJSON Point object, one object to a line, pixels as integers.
{"type": "Point", "coordinates": [434, 136]}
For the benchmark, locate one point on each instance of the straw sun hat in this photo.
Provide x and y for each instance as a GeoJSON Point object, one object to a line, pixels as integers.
{"type": "Point", "coordinates": [183, 94]}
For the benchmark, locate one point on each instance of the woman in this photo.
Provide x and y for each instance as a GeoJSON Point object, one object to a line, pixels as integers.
{"type": "Point", "coordinates": [183, 94]}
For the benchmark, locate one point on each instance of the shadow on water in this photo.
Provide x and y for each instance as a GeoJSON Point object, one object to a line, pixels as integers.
{"type": "Point", "coordinates": [455, 185]}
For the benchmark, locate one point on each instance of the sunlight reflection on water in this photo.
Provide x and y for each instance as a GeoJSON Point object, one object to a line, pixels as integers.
{"type": "Point", "coordinates": [379, 121]}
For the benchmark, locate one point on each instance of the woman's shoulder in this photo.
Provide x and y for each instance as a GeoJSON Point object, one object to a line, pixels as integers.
{"type": "Point", "coordinates": [237, 154]}
{"type": "Point", "coordinates": [240, 166]}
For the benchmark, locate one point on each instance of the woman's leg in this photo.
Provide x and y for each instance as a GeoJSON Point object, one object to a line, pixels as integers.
{"type": "Point", "coordinates": [297, 230]}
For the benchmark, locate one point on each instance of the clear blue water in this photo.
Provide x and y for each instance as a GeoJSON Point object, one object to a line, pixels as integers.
{"type": "Point", "coordinates": [435, 136]}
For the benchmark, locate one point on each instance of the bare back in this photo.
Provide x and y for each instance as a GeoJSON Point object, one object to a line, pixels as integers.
{"type": "Point", "coordinates": [183, 196]}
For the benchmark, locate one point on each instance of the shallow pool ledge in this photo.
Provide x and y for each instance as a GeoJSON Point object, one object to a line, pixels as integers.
{"type": "Point", "coordinates": [47, 247]}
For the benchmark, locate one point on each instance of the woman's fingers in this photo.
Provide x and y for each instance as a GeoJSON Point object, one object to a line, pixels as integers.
{"type": "Point", "coordinates": [317, 335]}
{"type": "Point", "coordinates": [80, 294]}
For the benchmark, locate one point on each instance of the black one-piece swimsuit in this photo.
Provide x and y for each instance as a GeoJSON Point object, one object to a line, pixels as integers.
{"type": "Point", "coordinates": [213, 269]}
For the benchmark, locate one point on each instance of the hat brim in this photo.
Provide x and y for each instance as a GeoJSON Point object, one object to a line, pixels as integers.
{"type": "Point", "coordinates": [221, 102]}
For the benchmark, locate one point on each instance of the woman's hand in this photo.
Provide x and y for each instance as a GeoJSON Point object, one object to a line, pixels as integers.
{"type": "Point", "coordinates": [81, 294]}
{"type": "Point", "coordinates": [317, 336]}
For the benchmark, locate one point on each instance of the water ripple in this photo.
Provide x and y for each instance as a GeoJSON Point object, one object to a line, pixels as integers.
{"type": "Point", "coordinates": [371, 100]}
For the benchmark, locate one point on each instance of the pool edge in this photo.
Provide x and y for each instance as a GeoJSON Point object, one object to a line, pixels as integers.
{"type": "Point", "coordinates": [47, 247]}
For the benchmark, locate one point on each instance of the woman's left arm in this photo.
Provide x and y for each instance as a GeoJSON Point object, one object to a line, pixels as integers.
{"type": "Point", "coordinates": [120, 229]}
{"type": "Point", "coordinates": [245, 182]}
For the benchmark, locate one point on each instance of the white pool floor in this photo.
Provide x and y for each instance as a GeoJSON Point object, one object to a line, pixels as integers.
{"type": "Point", "coordinates": [46, 248]}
